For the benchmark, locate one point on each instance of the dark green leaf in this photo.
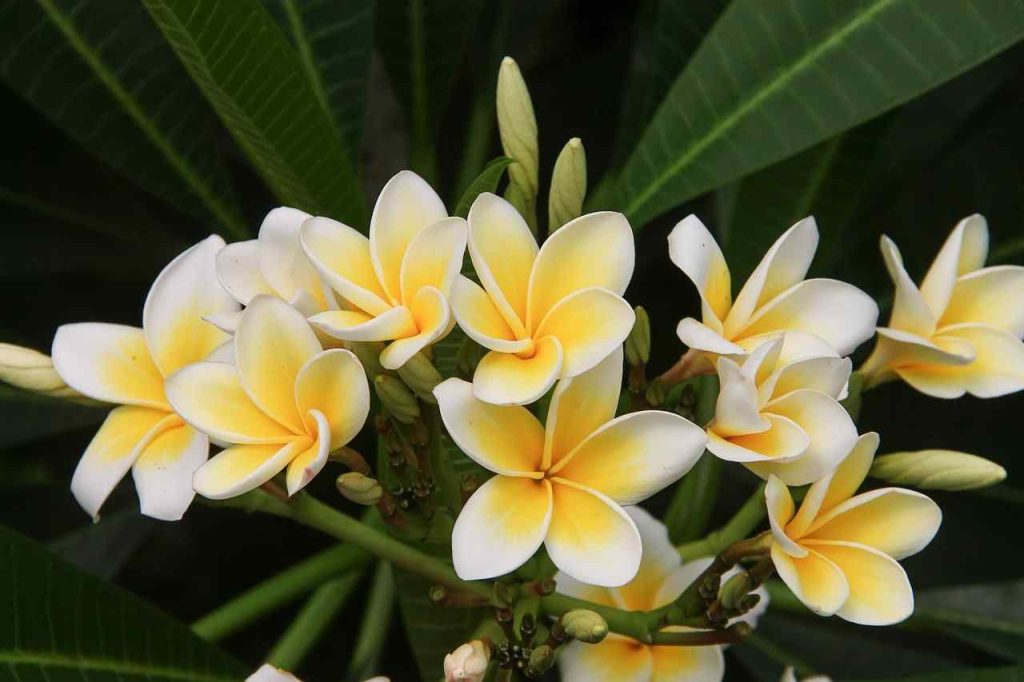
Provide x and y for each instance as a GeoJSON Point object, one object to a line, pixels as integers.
{"type": "Point", "coordinates": [987, 616]}
{"type": "Point", "coordinates": [487, 181]}
{"type": "Point", "coordinates": [103, 548]}
{"type": "Point", "coordinates": [256, 83]}
{"type": "Point", "coordinates": [774, 78]}
{"type": "Point", "coordinates": [62, 624]}
{"type": "Point", "coordinates": [1012, 674]}
{"type": "Point", "coordinates": [28, 416]}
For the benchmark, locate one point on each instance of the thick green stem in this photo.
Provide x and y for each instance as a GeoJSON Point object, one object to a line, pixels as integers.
{"type": "Point", "coordinates": [374, 627]}
{"type": "Point", "coordinates": [739, 526]}
{"type": "Point", "coordinates": [311, 624]}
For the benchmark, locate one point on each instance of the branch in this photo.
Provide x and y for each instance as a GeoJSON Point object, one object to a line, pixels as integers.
{"type": "Point", "coordinates": [743, 522]}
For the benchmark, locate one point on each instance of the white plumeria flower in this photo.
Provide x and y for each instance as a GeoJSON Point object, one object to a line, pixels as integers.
{"type": "Point", "coordinates": [960, 332]}
{"type": "Point", "coordinates": [544, 314]}
{"type": "Point", "coordinates": [285, 402]}
{"type": "Point", "coordinates": [270, 673]}
{"type": "Point", "coordinates": [661, 579]}
{"type": "Point", "coordinates": [789, 675]}
{"type": "Point", "coordinates": [126, 365]}
{"type": "Point", "coordinates": [782, 418]}
{"type": "Point", "coordinates": [273, 264]}
{"type": "Point", "coordinates": [468, 663]}
{"type": "Point", "coordinates": [838, 553]}
{"type": "Point", "coordinates": [775, 298]}
{"type": "Point", "coordinates": [397, 282]}
{"type": "Point", "coordinates": [562, 486]}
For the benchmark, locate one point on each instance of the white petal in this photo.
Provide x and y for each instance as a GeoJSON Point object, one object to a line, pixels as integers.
{"type": "Point", "coordinates": [227, 323]}
{"type": "Point", "coordinates": [238, 269]}
{"type": "Point", "coordinates": [352, 325]}
{"type": "Point", "coordinates": [615, 659]}
{"type": "Point", "coordinates": [701, 337]}
{"type": "Point", "coordinates": [910, 311]}
{"type": "Point", "coordinates": [737, 410]}
{"type": "Point", "coordinates": [308, 463]}
{"type": "Point", "coordinates": [163, 472]}
{"type": "Point", "coordinates": [992, 296]}
{"type": "Point", "coordinates": [478, 315]}
{"type": "Point", "coordinates": [780, 510]}
{"type": "Point", "coordinates": [242, 468]}
{"type": "Point", "coordinates": [506, 379]}
{"type": "Point", "coordinates": [694, 251]}
{"type": "Point", "coordinates": [963, 252]}
{"type": "Point", "coordinates": [997, 369]}
{"type": "Point", "coordinates": [434, 258]}
{"type": "Point", "coordinates": [880, 592]}
{"type": "Point", "coordinates": [813, 579]}
{"type": "Point", "coordinates": [280, 249]}
{"type": "Point", "coordinates": [783, 442]}
{"type": "Point", "coordinates": [333, 384]}
{"type": "Point", "coordinates": [829, 375]}
{"type": "Point", "coordinates": [433, 318]}
{"type": "Point", "coordinates": [589, 324]}
{"type": "Point", "coordinates": [659, 560]}
{"type": "Point", "coordinates": [342, 257]}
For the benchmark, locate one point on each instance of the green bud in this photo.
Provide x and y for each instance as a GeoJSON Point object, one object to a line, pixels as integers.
{"type": "Point", "coordinates": [421, 376]}
{"type": "Point", "coordinates": [368, 353]}
{"type": "Point", "coordinates": [734, 589]}
{"type": "Point", "coordinates": [638, 343]}
{"type": "Point", "coordinates": [542, 659]}
{"type": "Point", "coordinates": [517, 127]}
{"type": "Point", "coordinates": [396, 398]}
{"type": "Point", "coordinates": [358, 488]}
{"type": "Point", "coordinates": [33, 371]}
{"type": "Point", "coordinates": [585, 625]}
{"type": "Point", "coordinates": [568, 185]}
{"type": "Point", "coordinates": [938, 470]}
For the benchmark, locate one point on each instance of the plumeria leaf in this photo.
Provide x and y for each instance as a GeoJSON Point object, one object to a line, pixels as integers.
{"type": "Point", "coordinates": [487, 181]}
{"type": "Point", "coordinates": [767, 83]}
{"type": "Point", "coordinates": [1007, 674]}
{"type": "Point", "coordinates": [983, 615]}
{"type": "Point", "coordinates": [29, 416]}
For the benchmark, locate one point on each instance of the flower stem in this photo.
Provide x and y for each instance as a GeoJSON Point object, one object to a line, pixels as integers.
{"type": "Point", "coordinates": [311, 624]}
{"type": "Point", "coordinates": [743, 522]}
{"type": "Point", "coordinates": [374, 627]}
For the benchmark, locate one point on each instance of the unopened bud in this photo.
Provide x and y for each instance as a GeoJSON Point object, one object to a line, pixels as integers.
{"type": "Point", "coordinates": [468, 663]}
{"type": "Point", "coordinates": [542, 659]}
{"type": "Point", "coordinates": [396, 398]}
{"type": "Point", "coordinates": [734, 590]}
{"type": "Point", "coordinates": [359, 488]}
{"type": "Point", "coordinates": [33, 371]}
{"type": "Point", "coordinates": [638, 343]}
{"type": "Point", "coordinates": [789, 675]}
{"type": "Point", "coordinates": [368, 354]}
{"type": "Point", "coordinates": [585, 625]}
{"type": "Point", "coordinates": [421, 376]}
{"type": "Point", "coordinates": [938, 470]}
{"type": "Point", "coordinates": [568, 185]}
{"type": "Point", "coordinates": [517, 127]}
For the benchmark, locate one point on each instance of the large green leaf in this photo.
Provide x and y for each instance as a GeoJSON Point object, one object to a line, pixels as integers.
{"type": "Point", "coordinates": [1011, 674]}
{"type": "Point", "coordinates": [487, 181]}
{"type": "Point", "coordinates": [773, 78]}
{"type": "Point", "coordinates": [62, 624]}
{"type": "Point", "coordinates": [987, 616]}
{"type": "Point", "coordinates": [29, 416]}
{"type": "Point", "coordinates": [99, 70]}
{"type": "Point", "coordinates": [255, 81]}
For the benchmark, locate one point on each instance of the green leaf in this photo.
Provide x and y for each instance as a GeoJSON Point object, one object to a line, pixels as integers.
{"type": "Point", "coordinates": [100, 72]}
{"type": "Point", "coordinates": [987, 616]}
{"type": "Point", "coordinates": [487, 181]}
{"type": "Point", "coordinates": [1010, 674]}
{"type": "Point", "coordinates": [334, 39]}
{"type": "Point", "coordinates": [770, 81]}
{"type": "Point", "coordinates": [62, 624]}
{"type": "Point", "coordinates": [256, 83]}
{"type": "Point", "coordinates": [29, 416]}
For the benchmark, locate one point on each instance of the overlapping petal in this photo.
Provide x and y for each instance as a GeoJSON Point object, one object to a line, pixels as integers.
{"type": "Point", "coordinates": [433, 318]}
{"type": "Point", "coordinates": [991, 297]}
{"type": "Point", "coordinates": [996, 370]}
{"type": "Point", "coordinates": [242, 468]}
{"type": "Point", "coordinates": [964, 251]}
{"type": "Point", "coordinates": [238, 270]}
{"type": "Point", "coordinates": [738, 408]}
{"type": "Point", "coordinates": [353, 325]}
{"type": "Point", "coordinates": [699, 336]}
{"type": "Point", "coordinates": [478, 316]}
{"type": "Point", "coordinates": [280, 253]}
{"type": "Point", "coordinates": [615, 659]}
{"type": "Point", "coordinates": [910, 311]}
{"type": "Point", "coordinates": [589, 324]}
{"type": "Point", "coordinates": [333, 384]}
{"type": "Point", "coordinates": [880, 593]}
{"type": "Point", "coordinates": [784, 441]}
{"type": "Point", "coordinates": [836, 487]}
{"type": "Point", "coordinates": [507, 379]}
{"type": "Point", "coordinates": [815, 580]}
{"type": "Point", "coordinates": [308, 463]}
{"type": "Point", "coordinates": [342, 257]}
{"type": "Point", "coordinates": [659, 560]}
{"type": "Point", "coordinates": [688, 664]}
{"type": "Point", "coordinates": [164, 469]}
{"type": "Point", "coordinates": [434, 258]}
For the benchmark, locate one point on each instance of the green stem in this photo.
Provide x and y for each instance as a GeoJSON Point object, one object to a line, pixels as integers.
{"type": "Point", "coordinates": [640, 625]}
{"type": "Point", "coordinates": [311, 624]}
{"type": "Point", "coordinates": [742, 524]}
{"type": "Point", "coordinates": [278, 591]}
{"type": "Point", "coordinates": [374, 627]}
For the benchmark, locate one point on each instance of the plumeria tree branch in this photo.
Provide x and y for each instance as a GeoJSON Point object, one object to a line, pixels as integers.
{"type": "Point", "coordinates": [738, 527]}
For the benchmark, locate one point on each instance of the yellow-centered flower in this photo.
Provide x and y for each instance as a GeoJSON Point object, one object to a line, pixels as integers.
{"type": "Point", "coordinates": [545, 314]}
{"type": "Point", "coordinates": [838, 553]}
{"type": "Point", "coordinates": [396, 283]}
{"type": "Point", "coordinates": [782, 418]}
{"type": "Point", "coordinates": [127, 365]}
{"type": "Point", "coordinates": [562, 486]}
{"type": "Point", "coordinates": [960, 332]}
{"type": "Point", "coordinates": [285, 402]}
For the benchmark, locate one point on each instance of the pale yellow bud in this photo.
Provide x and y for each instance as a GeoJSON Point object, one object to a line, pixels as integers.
{"type": "Point", "coordinates": [938, 470]}
{"type": "Point", "coordinates": [468, 663]}
{"type": "Point", "coordinates": [638, 343]}
{"type": "Point", "coordinates": [396, 398]}
{"type": "Point", "coordinates": [568, 185]}
{"type": "Point", "coordinates": [33, 371]}
{"type": "Point", "coordinates": [421, 376]}
{"type": "Point", "coordinates": [585, 625]}
{"type": "Point", "coordinates": [517, 127]}
{"type": "Point", "coordinates": [358, 488]}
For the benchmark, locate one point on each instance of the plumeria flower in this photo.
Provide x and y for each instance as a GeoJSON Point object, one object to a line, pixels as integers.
{"type": "Point", "coordinates": [285, 402]}
{"type": "Point", "coordinates": [562, 486]}
{"type": "Point", "coordinates": [782, 418]}
{"type": "Point", "coordinates": [468, 663]}
{"type": "Point", "coordinates": [661, 579]}
{"type": "Point", "coordinates": [270, 673]}
{"type": "Point", "coordinates": [838, 553]}
{"type": "Point", "coordinates": [397, 281]}
{"type": "Point", "coordinates": [775, 298]}
{"type": "Point", "coordinates": [126, 365]}
{"type": "Point", "coordinates": [960, 332]}
{"type": "Point", "coordinates": [544, 314]}
{"type": "Point", "coordinates": [789, 675]}
{"type": "Point", "coordinates": [272, 264]}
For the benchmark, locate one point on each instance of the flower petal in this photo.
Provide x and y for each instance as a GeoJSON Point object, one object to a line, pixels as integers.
{"type": "Point", "coordinates": [880, 592]}
{"type": "Point", "coordinates": [614, 659]}
{"type": "Point", "coordinates": [242, 468]}
{"type": "Point", "coordinates": [594, 250]}
{"type": "Point", "coordinates": [634, 456]}
{"type": "Point", "coordinates": [694, 251]}
{"type": "Point", "coordinates": [580, 405]}
{"type": "Point", "coordinates": [963, 252]}
{"type": "Point", "coordinates": [992, 297]}
{"type": "Point", "coordinates": [113, 450]}
{"type": "Point", "coordinates": [574, 588]}
{"type": "Point", "coordinates": [354, 325]}
{"type": "Point", "coordinates": [780, 507]}
{"type": "Point", "coordinates": [434, 258]}
{"type": "Point", "coordinates": [342, 257]}
{"type": "Point", "coordinates": [108, 362]}
{"type": "Point", "coordinates": [281, 259]}
{"type": "Point", "coordinates": [505, 439]}
{"type": "Point", "coordinates": [688, 664]}
{"type": "Point", "coordinates": [406, 205]}
{"type": "Point", "coordinates": [839, 486]}
{"type": "Point", "coordinates": [737, 410]}
{"type": "Point", "coordinates": [997, 369]}
{"type": "Point", "coordinates": [910, 311]}
{"type": "Point", "coordinates": [501, 526]}
{"type": "Point", "coordinates": [679, 579]}
{"type": "Point", "coordinates": [227, 323]}
{"type": "Point", "coordinates": [828, 375]}
{"type": "Point", "coordinates": [272, 344]}
{"type": "Point", "coordinates": [796, 346]}
{"type": "Point", "coordinates": [699, 336]}
{"type": "Point", "coordinates": [186, 291]}
{"type": "Point", "coordinates": [163, 472]}
{"type": "Point", "coordinates": [659, 560]}
{"type": "Point", "coordinates": [238, 270]}
{"type": "Point", "coordinates": [813, 579]}
{"type": "Point", "coordinates": [334, 384]}
{"type": "Point", "coordinates": [507, 379]}
{"type": "Point", "coordinates": [892, 520]}
{"type": "Point", "coordinates": [591, 538]}
{"type": "Point", "coordinates": [310, 461]}
{"type": "Point", "coordinates": [589, 324]}
{"type": "Point", "coordinates": [478, 316]}
{"type": "Point", "coordinates": [433, 318]}
{"type": "Point", "coordinates": [503, 251]}
{"type": "Point", "coordinates": [210, 397]}
{"type": "Point", "coordinates": [783, 442]}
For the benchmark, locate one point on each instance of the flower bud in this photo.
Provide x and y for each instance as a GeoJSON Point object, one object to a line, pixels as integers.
{"type": "Point", "coordinates": [468, 663]}
{"type": "Point", "coordinates": [568, 185]}
{"type": "Point", "coordinates": [542, 659]}
{"type": "Point", "coordinates": [585, 625]}
{"type": "Point", "coordinates": [421, 376]}
{"type": "Point", "coordinates": [396, 398]}
{"type": "Point", "coordinates": [734, 590]}
{"type": "Point", "coordinates": [33, 371]}
{"type": "Point", "coordinates": [517, 127]}
{"type": "Point", "coordinates": [359, 488]}
{"type": "Point", "coordinates": [638, 343]}
{"type": "Point", "coordinates": [938, 470]}
{"type": "Point", "coordinates": [368, 354]}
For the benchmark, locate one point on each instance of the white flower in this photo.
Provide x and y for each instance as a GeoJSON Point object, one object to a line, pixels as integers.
{"type": "Point", "coordinates": [468, 663]}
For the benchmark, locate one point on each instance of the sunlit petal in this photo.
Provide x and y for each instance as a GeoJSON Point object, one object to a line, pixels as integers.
{"type": "Point", "coordinates": [334, 384]}
{"type": "Point", "coordinates": [480, 318]}
{"type": "Point", "coordinates": [163, 472]}
{"type": "Point", "coordinates": [433, 318]}
{"type": "Point", "coordinates": [880, 592]}
{"type": "Point", "coordinates": [815, 580]}
{"type": "Point", "coordinates": [506, 379]}
{"type": "Point", "coordinates": [694, 251]}
{"type": "Point", "coordinates": [279, 249]}
{"type": "Point", "coordinates": [839, 486]}
{"type": "Point", "coordinates": [589, 324]}
{"type": "Point", "coordinates": [242, 468]}
{"type": "Point", "coordinates": [992, 296]}
{"type": "Point", "coordinates": [342, 257]}
{"type": "Point", "coordinates": [963, 252]}
{"type": "Point", "coordinates": [434, 258]}
{"type": "Point", "coordinates": [353, 325]}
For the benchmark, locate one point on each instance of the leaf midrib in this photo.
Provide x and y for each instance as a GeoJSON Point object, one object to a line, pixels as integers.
{"type": "Point", "coordinates": [836, 38]}
{"type": "Point", "coordinates": [52, 660]}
